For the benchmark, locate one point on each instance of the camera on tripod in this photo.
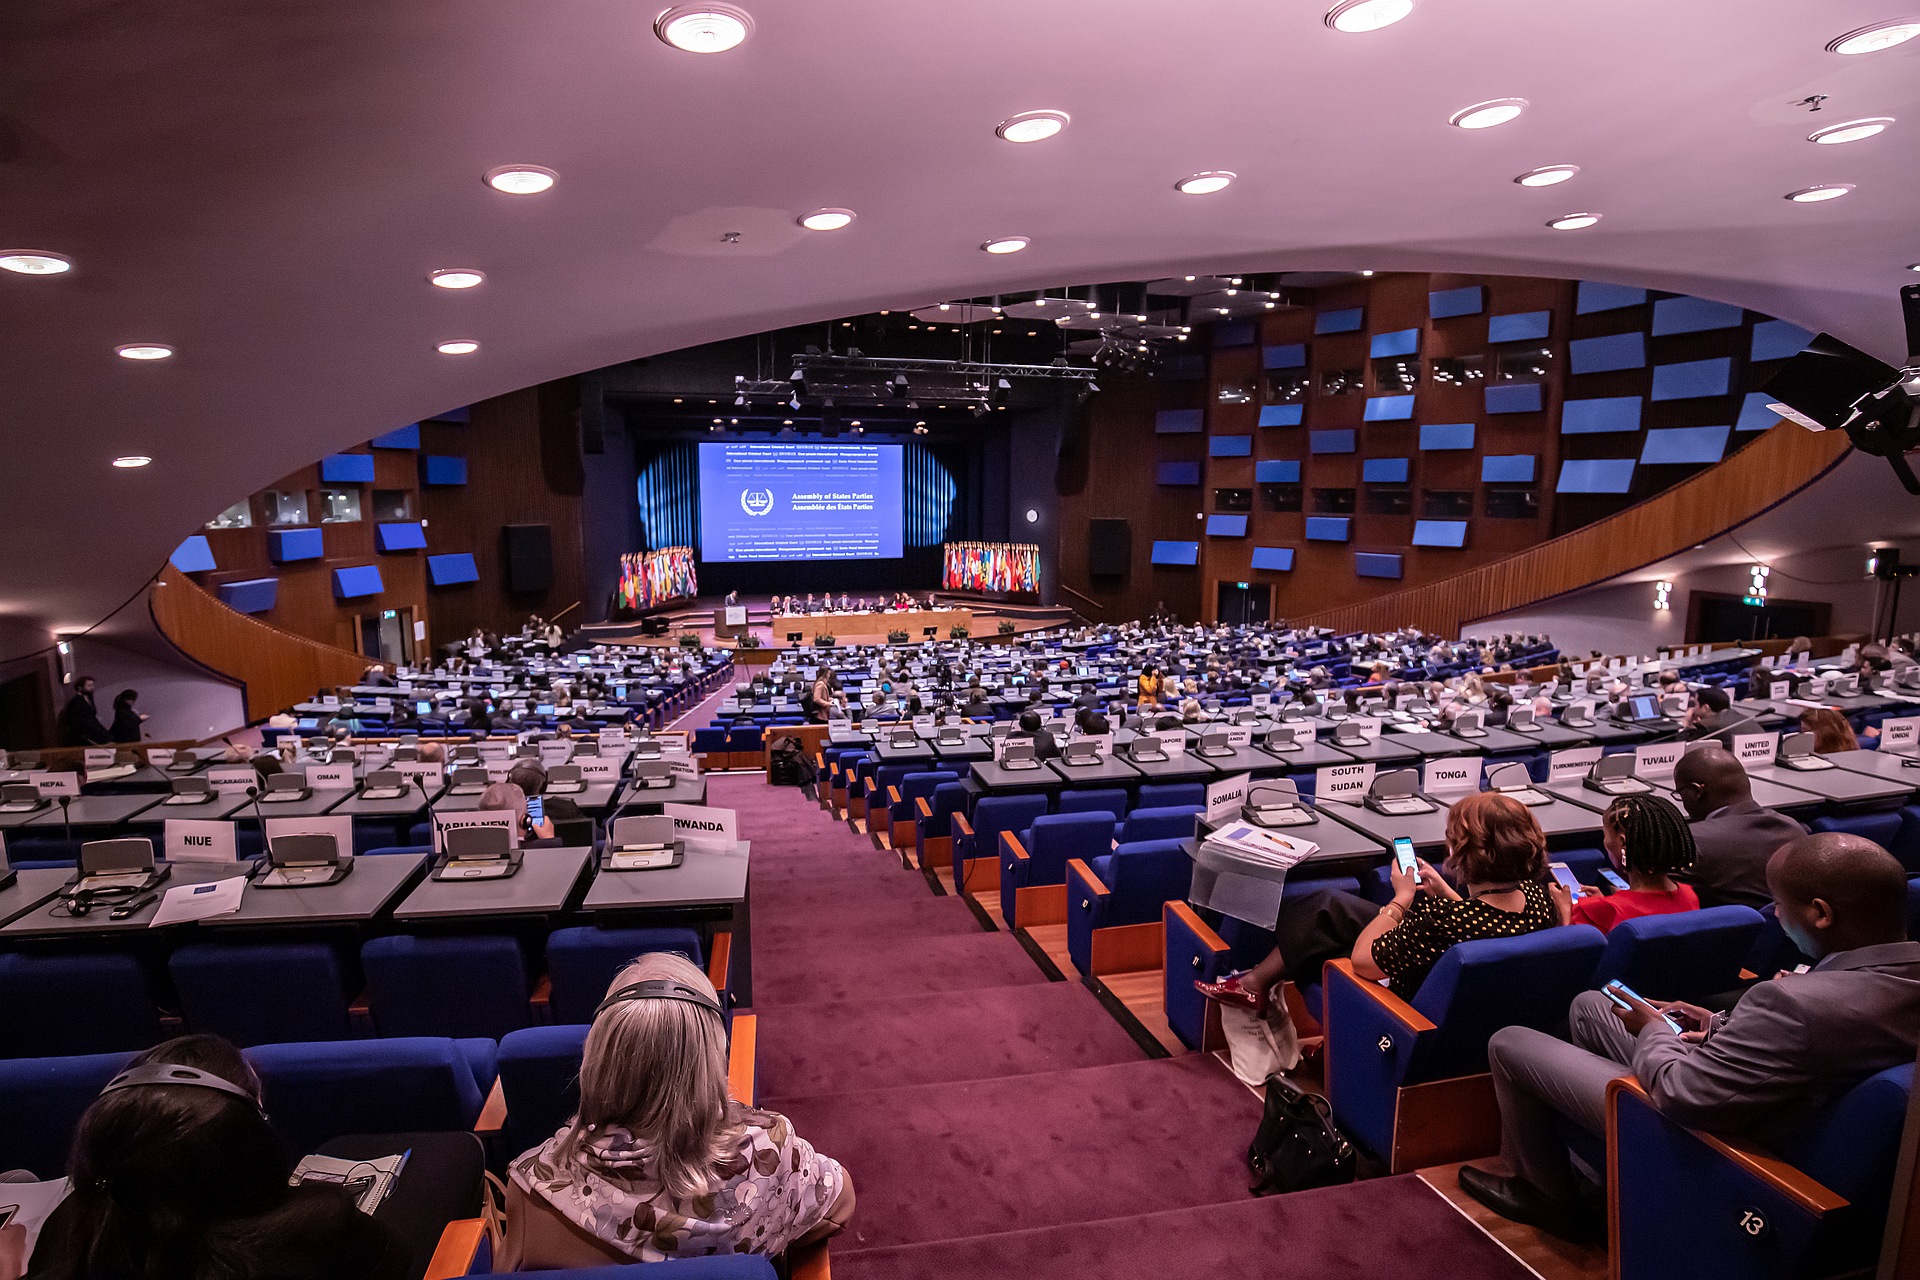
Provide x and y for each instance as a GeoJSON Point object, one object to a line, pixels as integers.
{"type": "Point", "coordinates": [1831, 386]}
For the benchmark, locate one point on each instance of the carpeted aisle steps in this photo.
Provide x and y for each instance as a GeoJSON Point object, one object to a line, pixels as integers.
{"type": "Point", "coordinates": [804, 970]}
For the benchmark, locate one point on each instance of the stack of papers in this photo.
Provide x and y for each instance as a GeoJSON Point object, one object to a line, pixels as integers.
{"type": "Point", "coordinates": [1244, 842]}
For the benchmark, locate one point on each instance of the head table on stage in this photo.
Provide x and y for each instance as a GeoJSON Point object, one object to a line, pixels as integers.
{"type": "Point", "coordinates": [870, 625]}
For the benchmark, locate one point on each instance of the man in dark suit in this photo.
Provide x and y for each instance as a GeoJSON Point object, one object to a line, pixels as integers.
{"type": "Point", "coordinates": [1711, 713]}
{"type": "Point", "coordinates": [1733, 837]}
{"type": "Point", "coordinates": [80, 719]}
{"type": "Point", "coordinates": [1044, 745]}
{"type": "Point", "coordinates": [1790, 1047]}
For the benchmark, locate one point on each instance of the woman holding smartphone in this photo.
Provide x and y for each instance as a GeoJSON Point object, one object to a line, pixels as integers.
{"type": "Point", "coordinates": [1647, 841]}
{"type": "Point", "coordinates": [1495, 849]}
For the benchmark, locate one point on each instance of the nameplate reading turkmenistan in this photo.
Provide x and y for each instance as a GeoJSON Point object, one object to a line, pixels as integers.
{"type": "Point", "coordinates": [1572, 763]}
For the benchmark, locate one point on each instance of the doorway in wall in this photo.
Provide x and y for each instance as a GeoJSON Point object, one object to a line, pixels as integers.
{"type": "Point", "coordinates": [1244, 604]}
{"type": "Point", "coordinates": [387, 635]}
{"type": "Point", "coordinates": [1717, 616]}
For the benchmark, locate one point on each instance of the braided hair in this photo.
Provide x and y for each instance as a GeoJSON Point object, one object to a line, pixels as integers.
{"type": "Point", "coordinates": [1655, 838]}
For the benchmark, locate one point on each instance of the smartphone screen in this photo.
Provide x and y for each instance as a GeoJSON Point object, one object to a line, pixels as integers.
{"type": "Point", "coordinates": [536, 811]}
{"type": "Point", "coordinates": [1625, 996]}
{"type": "Point", "coordinates": [1403, 854]}
{"type": "Point", "coordinates": [1612, 877]}
{"type": "Point", "coordinates": [1564, 874]}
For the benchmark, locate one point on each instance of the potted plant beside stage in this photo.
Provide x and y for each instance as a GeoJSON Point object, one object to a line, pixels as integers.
{"type": "Point", "coordinates": [958, 632]}
{"type": "Point", "coordinates": [823, 641]}
{"type": "Point", "coordinates": [897, 637]}
{"type": "Point", "coordinates": [1006, 626]}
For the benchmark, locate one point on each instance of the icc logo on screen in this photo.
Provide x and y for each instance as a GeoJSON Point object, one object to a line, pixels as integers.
{"type": "Point", "coordinates": [757, 502]}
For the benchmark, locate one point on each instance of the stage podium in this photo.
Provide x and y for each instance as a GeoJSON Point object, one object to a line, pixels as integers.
{"type": "Point", "coordinates": [730, 621]}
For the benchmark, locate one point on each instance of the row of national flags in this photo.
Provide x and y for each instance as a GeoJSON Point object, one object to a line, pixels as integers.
{"type": "Point", "coordinates": [991, 566]}
{"type": "Point", "coordinates": [648, 578]}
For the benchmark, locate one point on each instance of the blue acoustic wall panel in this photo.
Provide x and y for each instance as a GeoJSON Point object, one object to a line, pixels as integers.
{"type": "Point", "coordinates": [1596, 475]}
{"type": "Point", "coordinates": [1384, 470]}
{"type": "Point", "coordinates": [1276, 471]}
{"type": "Point", "coordinates": [1225, 526]}
{"type": "Point", "coordinates": [445, 571]}
{"type": "Point", "coordinates": [1388, 408]}
{"type": "Point", "coordinates": [1288, 355]}
{"type": "Point", "coordinates": [1328, 528]}
{"type": "Point", "coordinates": [1179, 473]}
{"type": "Point", "coordinates": [1439, 533]}
{"type": "Point", "coordinates": [1370, 564]}
{"type": "Point", "coordinates": [1602, 355]}
{"type": "Point", "coordinates": [1230, 447]}
{"type": "Point", "coordinates": [1338, 440]}
{"type": "Point", "coordinates": [1238, 333]}
{"type": "Point", "coordinates": [1520, 326]}
{"type": "Point", "coordinates": [407, 437]}
{"type": "Point", "coordinates": [439, 469]}
{"type": "Point", "coordinates": [1446, 435]}
{"type": "Point", "coordinates": [1692, 379]}
{"type": "Point", "coordinates": [1279, 559]}
{"type": "Point", "coordinates": [284, 545]}
{"type": "Point", "coordinates": [1401, 342]}
{"type": "Point", "coordinates": [1348, 321]}
{"type": "Point", "coordinates": [1507, 468]}
{"type": "Point", "coordinates": [404, 536]}
{"type": "Point", "coordinates": [1176, 553]}
{"type": "Point", "coordinates": [356, 581]}
{"type": "Point", "coordinates": [1693, 315]}
{"type": "Point", "coordinates": [1179, 422]}
{"type": "Point", "coordinates": [193, 555]}
{"type": "Point", "coordinates": [1516, 397]}
{"type": "Point", "coordinates": [1470, 301]}
{"type": "Point", "coordinates": [254, 595]}
{"type": "Point", "coordinates": [1282, 415]}
{"type": "Point", "coordinates": [1594, 296]}
{"type": "Point", "coordinates": [1592, 417]}
{"type": "Point", "coordinates": [1754, 414]}
{"type": "Point", "coordinates": [1777, 340]}
{"type": "Point", "coordinates": [1685, 444]}
{"type": "Point", "coordinates": [347, 468]}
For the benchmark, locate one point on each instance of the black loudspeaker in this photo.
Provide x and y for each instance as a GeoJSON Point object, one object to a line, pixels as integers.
{"type": "Point", "coordinates": [1109, 548]}
{"type": "Point", "coordinates": [528, 552]}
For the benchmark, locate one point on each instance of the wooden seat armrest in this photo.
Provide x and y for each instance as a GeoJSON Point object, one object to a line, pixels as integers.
{"type": "Point", "coordinates": [542, 992]}
{"type": "Point", "coordinates": [1077, 869]}
{"type": "Point", "coordinates": [740, 1058]}
{"type": "Point", "coordinates": [1809, 1194]}
{"type": "Point", "coordinates": [459, 1242]}
{"type": "Point", "coordinates": [1392, 1005]}
{"type": "Point", "coordinates": [493, 1115]}
{"type": "Point", "coordinates": [966, 827]}
{"type": "Point", "coordinates": [925, 810]}
{"type": "Point", "coordinates": [893, 796]}
{"type": "Point", "coordinates": [809, 1262]}
{"type": "Point", "coordinates": [720, 962]}
{"type": "Point", "coordinates": [1184, 913]}
{"type": "Point", "coordinates": [1014, 846]}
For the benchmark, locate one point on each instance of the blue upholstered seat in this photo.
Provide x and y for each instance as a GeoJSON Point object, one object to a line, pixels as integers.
{"type": "Point", "coordinates": [1881, 828]}
{"type": "Point", "coordinates": [1155, 795]}
{"type": "Point", "coordinates": [1906, 842]}
{"type": "Point", "coordinates": [1108, 800]}
{"type": "Point", "coordinates": [1128, 886]}
{"type": "Point", "coordinates": [582, 962]}
{"type": "Point", "coordinates": [317, 1091]}
{"type": "Point", "coordinates": [540, 1080]}
{"type": "Point", "coordinates": [979, 836]}
{"type": "Point", "coordinates": [459, 985]}
{"type": "Point", "coordinates": [42, 1099]}
{"type": "Point", "coordinates": [1168, 822]}
{"type": "Point", "coordinates": [261, 993]}
{"type": "Point", "coordinates": [65, 1005]}
{"type": "Point", "coordinates": [1684, 956]}
{"type": "Point", "coordinates": [948, 798]}
{"type": "Point", "coordinates": [1040, 857]}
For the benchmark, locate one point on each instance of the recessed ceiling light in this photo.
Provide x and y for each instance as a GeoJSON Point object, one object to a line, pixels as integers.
{"type": "Point", "coordinates": [1205, 184]}
{"type": "Point", "coordinates": [1485, 115]}
{"type": "Point", "coordinates": [1816, 194]}
{"type": "Point", "coordinates": [521, 179]}
{"type": "Point", "coordinates": [1367, 15]}
{"type": "Point", "coordinates": [1574, 221]}
{"type": "Point", "coordinates": [34, 262]}
{"type": "Point", "coordinates": [1006, 244]}
{"type": "Point", "coordinates": [1366, 273]}
{"type": "Point", "coordinates": [827, 219]}
{"type": "Point", "coordinates": [1881, 35]}
{"type": "Point", "coordinates": [461, 348]}
{"type": "Point", "coordinates": [456, 278]}
{"type": "Point", "coordinates": [1032, 126]}
{"type": "Point", "coordinates": [703, 28]}
{"type": "Point", "coordinates": [1913, 266]}
{"type": "Point", "coordinates": [143, 351]}
{"type": "Point", "coordinates": [131, 461]}
{"type": "Point", "coordinates": [1851, 131]}
{"type": "Point", "coordinates": [1547, 175]}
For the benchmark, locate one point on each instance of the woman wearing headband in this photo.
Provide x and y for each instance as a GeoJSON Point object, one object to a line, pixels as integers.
{"type": "Point", "coordinates": [660, 1162]}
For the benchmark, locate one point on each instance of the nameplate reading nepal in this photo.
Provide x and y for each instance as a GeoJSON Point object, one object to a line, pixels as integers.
{"type": "Point", "coordinates": [832, 502]}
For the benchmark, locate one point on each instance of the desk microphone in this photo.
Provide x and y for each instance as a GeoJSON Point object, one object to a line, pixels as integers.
{"type": "Point", "coordinates": [266, 852]}
{"type": "Point", "coordinates": [66, 819]}
{"type": "Point", "coordinates": [433, 819]}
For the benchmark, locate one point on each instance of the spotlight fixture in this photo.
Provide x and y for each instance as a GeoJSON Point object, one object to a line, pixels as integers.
{"type": "Point", "coordinates": [1366, 273]}
{"type": "Point", "coordinates": [1367, 15]}
{"type": "Point", "coordinates": [1662, 595]}
{"type": "Point", "coordinates": [1485, 115]}
{"type": "Point", "coordinates": [1574, 221]}
{"type": "Point", "coordinates": [703, 28]}
{"type": "Point", "coordinates": [463, 347]}
{"type": "Point", "coordinates": [1851, 131]}
{"type": "Point", "coordinates": [143, 351]}
{"type": "Point", "coordinates": [1913, 266]}
{"type": "Point", "coordinates": [456, 278]}
{"type": "Point", "coordinates": [521, 179]}
{"type": "Point", "coordinates": [132, 461]}
{"type": "Point", "coordinates": [1006, 244]}
{"type": "Point", "coordinates": [1756, 585]}
{"type": "Point", "coordinates": [1205, 184]}
{"type": "Point", "coordinates": [1032, 126]}
{"type": "Point", "coordinates": [1547, 175]}
{"type": "Point", "coordinates": [1820, 193]}
{"type": "Point", "coordinates": [34, 262]}
{"type": "Point", "coordinates": [827, 219]}
{"type": "Point", "coordinates": [1881, 35]}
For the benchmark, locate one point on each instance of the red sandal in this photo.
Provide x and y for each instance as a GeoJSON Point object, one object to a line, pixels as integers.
{"type": "Point", "coordinates": [1233, 990]}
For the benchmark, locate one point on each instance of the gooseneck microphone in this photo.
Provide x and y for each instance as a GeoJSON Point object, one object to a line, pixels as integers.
{"type": "Point", "coordinates": [433, 819]}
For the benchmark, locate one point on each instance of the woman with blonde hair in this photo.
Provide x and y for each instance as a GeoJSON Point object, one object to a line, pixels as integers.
{"type": "Point", "coordinates": [660, 1162]}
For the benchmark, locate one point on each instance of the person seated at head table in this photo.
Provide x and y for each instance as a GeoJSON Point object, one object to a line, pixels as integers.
{"type": "Point", "coordinates": [188, 1180]}
{"type": "Point", "coordinates": [1733, 836]}
{"type": "Point", "coordinates": [1830, 730]}
{"type": "Point", "coordinates": [659, 1162]}
{"type": "Point", "coordinates": [1029, 726]}
{"type": "Point", "coordinates": [1787, 1048]}
{"type": "Point", "coordinates": [1647, 841]}
{"type": "Point", "coordinates": [1497, 852]}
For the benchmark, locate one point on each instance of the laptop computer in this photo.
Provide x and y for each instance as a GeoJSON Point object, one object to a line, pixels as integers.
{"type": "Point", "coordinates": [1397, 794]}
{"type": "Point", "coordinates": [1613, 776]}
{"type": "Point", "coordinates": [642, 843]}
{"type": "Point", "coordinates": [1796, 752]}
{"type": "Point", "coordinates": [302, 862]}
{"type": "Point", "coordinates": [1276, 803]}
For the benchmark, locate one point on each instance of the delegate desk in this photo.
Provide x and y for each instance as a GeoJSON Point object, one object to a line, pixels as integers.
{"type": "Point", "coordinates": [686, 789]}
{"type": "Point", "coordinates": [405, 805]}
{"type": "Point", "coordinates": [1843, 787]}
{"type": "Point", "coordinates": [31, 887]}
{"type": "Point", "coordinates": [1252, 760]}
{"type": "Point", "coordinates": [595, 797]}
{"type": "Point", "coordinates": [1387, 752]}
{"type": "Point", "coordinates": [313, 805]}
{"type": "Point", "coordinates": [1184, 767]}
{"type": "Point", "coordinates": [1428, 831]}
{"type": "Point", "coordinates": [98, 811]}
{"type": "Point", "coordinates": [541, 887]}
{"type": "Point", "coordinates": [992, 776]}
{"type": "Point", "coordinates": [1608, 733]}
{"type": "Point", "coordinates": [45, 921]}
{"type": "Point", "coordinates": [1339, 843]}
{"type": "Point", "coordinates": [1890, 765]}
{"type": "Point", "coordinates": [1543, 736]}
{"type": "Point", "coordinates": [367, 891]}
{"type": "Point", "coordinates": [1497, 742]}
{"type": "Point", "coordinates": [1106, 771]}
{"type": "Point", "coordinates": [1566, 825]}
{"type": "Point", "coordinates": [702, 880]}
{"type": "Point", "coordinates": [921, 752]}
{"type": "Point", "coordinates": [140, 778]}
{"type": "Point", "coordinates": [870, 626]}
{"type": "Point", "coordinates": [1766, 794]}
{"type": "Point", "coordinates": [1434, 746]}
{"type": "Point", "coordinates": [978, 746]}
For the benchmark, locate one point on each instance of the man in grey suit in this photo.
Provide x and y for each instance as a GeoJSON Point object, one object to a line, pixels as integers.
{"type": "Point", "coordinates": [1732, 836]}
{"type": "Point", "coordinates": [1788, 1048]}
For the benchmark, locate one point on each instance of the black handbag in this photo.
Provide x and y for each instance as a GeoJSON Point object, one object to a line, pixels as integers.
{"type": "Point", "coordinates": [1298, 1147]}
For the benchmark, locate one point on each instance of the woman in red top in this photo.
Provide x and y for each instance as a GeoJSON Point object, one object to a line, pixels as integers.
{"type": "Point", "coordinates": [1647, 840]}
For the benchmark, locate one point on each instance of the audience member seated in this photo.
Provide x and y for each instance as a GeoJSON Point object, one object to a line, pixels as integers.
{"type": "Point", "coordinates": [1712, 712]}
{"type": "Point", "coordinates": [508, 796]}
{"type": "Point", "coordinates": [1788, 1048]}
{"type": "Point", "coordinates": [531, 777]}
{"type": "Point", "coordinates": [1494, 847]}
{"type": "Point", "coordinates": [1830, 730]}
{"type": "Point", "coordinates": [180, 1176]}
{"type": "Point", "coordinates": [1091, 722]}
{"type": "Point", "coordinates": [1648, 842]}
{"type": "Point", "coordinates": [1733, 837]}
{"type": "Point", "coordinates": [659, 1162]}
{"type": "Point", "coordinates": [1044, 746]}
